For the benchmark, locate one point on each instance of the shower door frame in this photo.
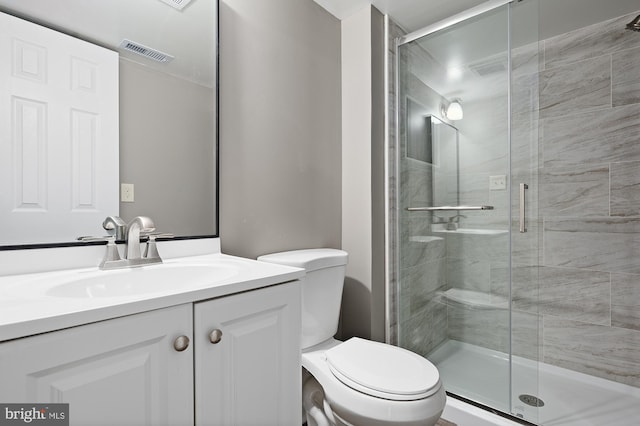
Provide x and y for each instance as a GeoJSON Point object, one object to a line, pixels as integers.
{"type": "Point", "coordinates": [393, 223]}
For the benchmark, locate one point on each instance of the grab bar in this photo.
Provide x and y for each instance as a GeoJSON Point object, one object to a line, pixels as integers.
{"type": "Point", "coordinates": [441, 208]}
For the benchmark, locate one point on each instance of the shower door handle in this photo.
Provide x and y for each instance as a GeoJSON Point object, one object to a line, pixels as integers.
{"type": "Point", "coordinates": [523, 224]}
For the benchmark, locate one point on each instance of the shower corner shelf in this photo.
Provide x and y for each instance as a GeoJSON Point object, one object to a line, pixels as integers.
{"type": "Point", "coordinates": [473, 299]}
{"type": "Point", "coordinates": [425, 239]}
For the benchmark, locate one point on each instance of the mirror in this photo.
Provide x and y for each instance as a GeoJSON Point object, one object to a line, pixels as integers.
{"type": "Point", "coordinates": [434, 144]}
{"type": "Point", "coordinates": [167, 110]}
{"type": "Point", "coordinates": [446, 180]}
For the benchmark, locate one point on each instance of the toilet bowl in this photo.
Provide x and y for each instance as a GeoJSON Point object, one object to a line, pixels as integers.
{"type": "Point", "coordinates": [371, 383]}
{"type": "Point", "coordinates": [357, 382]}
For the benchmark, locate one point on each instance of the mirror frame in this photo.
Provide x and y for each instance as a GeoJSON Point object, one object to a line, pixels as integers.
{"type": "Point", "coordinates": [216, 148]}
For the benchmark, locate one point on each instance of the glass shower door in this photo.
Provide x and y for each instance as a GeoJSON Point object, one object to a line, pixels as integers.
{"type": "Point", "coordinates": [459, 206]}
{"type": "Point", "coordinates": [526, 227]}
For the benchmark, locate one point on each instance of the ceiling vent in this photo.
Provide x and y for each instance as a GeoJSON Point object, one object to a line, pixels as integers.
{"type": "Point", "coordinates": [488, 66]}
{"type": "Point", "coordinates": [177, 4]}
{"type": "Point", "coordinates": [145, 51]}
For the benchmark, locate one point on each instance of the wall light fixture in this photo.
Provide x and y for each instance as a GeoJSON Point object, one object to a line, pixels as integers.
{"type": "Point", "coordinates": [454, 110]}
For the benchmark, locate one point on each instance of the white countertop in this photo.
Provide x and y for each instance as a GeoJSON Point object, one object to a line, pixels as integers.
{"type": "Point", "coordinates": [27, 306]}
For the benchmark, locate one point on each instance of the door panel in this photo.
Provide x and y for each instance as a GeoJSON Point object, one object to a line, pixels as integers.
{"type": "Point", "coordinates": [58, 132]}
{"type": "Point", "coordinates": [256, 363]}
{"type": "Point", "coordinates": [129, 362]}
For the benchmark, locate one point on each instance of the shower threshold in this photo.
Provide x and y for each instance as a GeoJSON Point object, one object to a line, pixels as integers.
{"type": "Point", "coordinates": [570, 398]}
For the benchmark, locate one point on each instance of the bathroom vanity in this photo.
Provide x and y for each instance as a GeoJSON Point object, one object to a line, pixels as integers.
{"type": "Point", "coordinates": [218, 346]}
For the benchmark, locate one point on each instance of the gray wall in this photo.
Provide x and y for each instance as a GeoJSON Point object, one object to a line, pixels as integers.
{"type": "Point", "coordinates": [280, 120]}
{"type": "Point", "coordinates": [363, 202]}
{"type": "Point", "coordinates": [167, 150]}
{"type": "Point", "coordinates": [378, 177]}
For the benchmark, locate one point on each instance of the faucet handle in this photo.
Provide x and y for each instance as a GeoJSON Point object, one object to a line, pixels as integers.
{"type": "Point", "coordinates": [117, 225]}
{"type": "Point", "coordinates": [157, 234]}
{"type": "Point", "coordinates": [151, 252]}
{"type": "Point", "coordinates": [91, 238]}
{"type": "Point", "coordinates": [111, 254]}
{"type": "Point", "coordinates": [456, 218]}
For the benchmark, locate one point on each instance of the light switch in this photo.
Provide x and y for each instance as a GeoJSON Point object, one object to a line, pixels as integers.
{"type": "Point", "coordinates": [126, 193]}
{"type": "Point", "coordinates": [498, 182]}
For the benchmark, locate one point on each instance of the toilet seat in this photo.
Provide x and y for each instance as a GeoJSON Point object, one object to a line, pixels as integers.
{"type": "Point", "coordinates": [382, 370]}
{"type": "Point", "coordinates": [355, 407]}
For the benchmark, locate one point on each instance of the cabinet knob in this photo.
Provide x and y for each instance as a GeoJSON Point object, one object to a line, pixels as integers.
{"type": "Point", "coordinates": [215, 336]}
{"type": "Point", "coordinates": [181, 343]}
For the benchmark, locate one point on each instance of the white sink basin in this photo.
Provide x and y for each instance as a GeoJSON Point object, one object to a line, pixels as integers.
{"type": "Point", "coordinates": [138, 281]}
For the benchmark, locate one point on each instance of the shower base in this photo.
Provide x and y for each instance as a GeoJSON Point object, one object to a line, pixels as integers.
{"type": "Point", "coordinates": [570, 398]}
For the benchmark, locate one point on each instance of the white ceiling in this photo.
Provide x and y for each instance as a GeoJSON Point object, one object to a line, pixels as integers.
{"type": "Point", "coordinates": [188, 35]}
{"type": "Point", "coordinates": [555, 16]}
{"type": "Point", "coordinates": [410, 14]}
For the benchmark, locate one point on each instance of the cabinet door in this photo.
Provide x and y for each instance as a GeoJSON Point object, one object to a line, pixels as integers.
{"type": "Point", "coordinates": [252, 375]}
{"type": "Point", "coordinates": [123, 371]}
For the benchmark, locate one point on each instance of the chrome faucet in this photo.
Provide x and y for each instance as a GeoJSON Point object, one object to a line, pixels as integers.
{"type": "Point", "coordinates": [454, 222]}
{"type": "Point", "coordinates": [140, 224]}
{"type": "Point", "coordinates": [130, 234]}
{"type": "Point", "coordinates": [438, 219]}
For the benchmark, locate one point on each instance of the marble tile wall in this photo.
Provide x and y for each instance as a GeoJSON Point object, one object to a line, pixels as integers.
{"type": "Point", "coordinates": [608, 352]}
{"type": "Point", "coordinates": [576, 87]}
{"type": "Point", "coordinates": [421, 319]}
{"type": "Point", "coordinates": [588, 288]}
{"type": "Point", "coordinates": [625, 301]}
{"type": "Point", "coordinates": [625, 188]}
{"type": "Point", "coordinates": [626, 87]}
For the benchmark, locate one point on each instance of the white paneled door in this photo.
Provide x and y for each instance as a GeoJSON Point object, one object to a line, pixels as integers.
{"type": "Point", "coordinates": [58, 133]}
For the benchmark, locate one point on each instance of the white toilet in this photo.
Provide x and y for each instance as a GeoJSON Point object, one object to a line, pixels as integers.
{"type": "Point", "coordinates": [357, 382]}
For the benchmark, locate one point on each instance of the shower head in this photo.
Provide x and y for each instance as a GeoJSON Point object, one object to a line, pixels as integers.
{"type": "Point", "coordinates": [635, 24]}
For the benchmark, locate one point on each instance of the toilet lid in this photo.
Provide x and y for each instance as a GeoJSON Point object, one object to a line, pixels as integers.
{"type": "Point", "coordinates": [383, 370]}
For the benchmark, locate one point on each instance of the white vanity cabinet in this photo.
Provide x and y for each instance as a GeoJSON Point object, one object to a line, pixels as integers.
{"type": "Point", "coordinates": [122, 371]}
{"type": "Point", "coordinates": [247, 358]}
{"type": "Point", "coordinates": [242, 359]}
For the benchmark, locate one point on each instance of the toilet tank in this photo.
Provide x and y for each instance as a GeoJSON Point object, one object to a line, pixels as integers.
{"type": "Point", "coordinates": [321, 289]}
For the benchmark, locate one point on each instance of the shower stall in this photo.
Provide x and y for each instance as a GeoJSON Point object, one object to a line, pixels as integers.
{"type": "Point", "coordinates": [515, 207]}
